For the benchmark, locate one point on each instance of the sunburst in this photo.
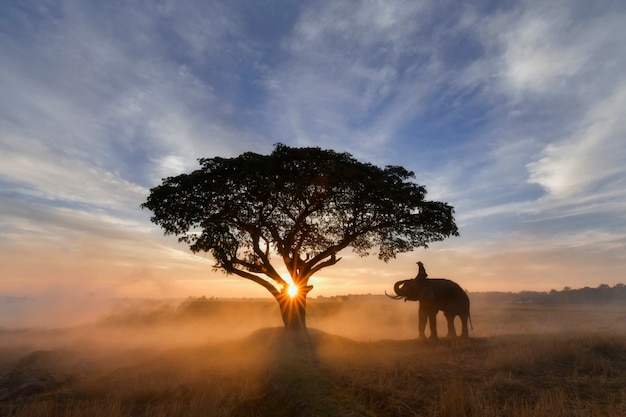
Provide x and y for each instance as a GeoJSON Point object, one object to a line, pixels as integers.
{"type": "Point", "coordinates": [292, 290]}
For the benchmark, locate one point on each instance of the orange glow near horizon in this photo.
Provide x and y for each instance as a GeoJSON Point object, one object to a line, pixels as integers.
{"type": "Point", "coordinates": [151, 271]}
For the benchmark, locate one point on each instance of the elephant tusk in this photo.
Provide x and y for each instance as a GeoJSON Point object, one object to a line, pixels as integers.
{"type": "Point", "coordinates": [394, 297]}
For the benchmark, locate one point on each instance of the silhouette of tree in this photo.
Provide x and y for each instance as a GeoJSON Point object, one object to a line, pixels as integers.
{"type": "Point", "coordinates": [299, 207]}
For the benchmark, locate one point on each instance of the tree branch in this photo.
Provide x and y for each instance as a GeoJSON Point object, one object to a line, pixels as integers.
{"type": "Point", "coordinates": [267, 267]}
{"type": "Point", "coordinates": [329, 252]}
{"type": "Point", "coordinates": [263, 282]}
{"type": "Point", "coordinates": [332, 261]}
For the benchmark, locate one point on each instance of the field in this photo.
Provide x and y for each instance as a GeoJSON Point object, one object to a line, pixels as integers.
{"type": "Point", "coordinates": [228, 358]}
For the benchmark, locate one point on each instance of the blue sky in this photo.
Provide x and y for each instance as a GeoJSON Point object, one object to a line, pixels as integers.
{"type": "Point", "coordinates": [512, 112]}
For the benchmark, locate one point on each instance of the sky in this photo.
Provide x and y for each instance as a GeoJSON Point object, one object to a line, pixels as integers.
{"type": "Point", "coordinates": [513, 112]}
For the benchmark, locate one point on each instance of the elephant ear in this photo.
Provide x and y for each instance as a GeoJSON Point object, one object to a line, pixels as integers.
{"type": "Point", "coordinates": [413, 290]}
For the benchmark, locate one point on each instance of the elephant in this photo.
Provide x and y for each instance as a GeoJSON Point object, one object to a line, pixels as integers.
{"type": "Point", "coordinates": [436, 294]}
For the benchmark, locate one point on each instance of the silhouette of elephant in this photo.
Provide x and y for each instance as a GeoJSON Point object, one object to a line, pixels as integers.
{"type": "Point", "coordinates": [435, 294]}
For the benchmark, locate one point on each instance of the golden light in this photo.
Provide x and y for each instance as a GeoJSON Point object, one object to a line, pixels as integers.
{"type": "Point", "coordinates": [292, 290]}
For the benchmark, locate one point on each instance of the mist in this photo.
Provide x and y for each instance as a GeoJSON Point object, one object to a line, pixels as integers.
{"type": "Point", "coordinates": [225, 354]}
{"type": "Point", "coordinates": [109, 323]}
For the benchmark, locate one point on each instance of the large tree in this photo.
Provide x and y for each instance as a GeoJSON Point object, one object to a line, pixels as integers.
{"type": "Point", "coordinates": [299, 207]}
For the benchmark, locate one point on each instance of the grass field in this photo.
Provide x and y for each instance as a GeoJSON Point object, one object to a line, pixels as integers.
{"type": "Point", "coordinates": [364, 361]}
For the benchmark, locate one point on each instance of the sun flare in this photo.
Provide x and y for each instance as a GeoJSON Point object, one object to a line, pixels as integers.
{"type": "Point", "coordinates": [292, 290]}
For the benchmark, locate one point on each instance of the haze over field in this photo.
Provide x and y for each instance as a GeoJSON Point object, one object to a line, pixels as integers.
{"type": "Point", "coordinates": [144, 361]}
{"type": "Point", "coordinates": [512, 112]}
{"type": "Point", "coordinates": [166, 324]}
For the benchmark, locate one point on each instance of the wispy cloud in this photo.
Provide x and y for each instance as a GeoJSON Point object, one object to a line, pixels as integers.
{"type": "Point", "coordinates": [591, 161]}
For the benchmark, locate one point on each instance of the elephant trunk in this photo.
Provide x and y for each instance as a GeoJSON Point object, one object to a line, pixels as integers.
{"type": "Point", "coordinates": [398, 288]}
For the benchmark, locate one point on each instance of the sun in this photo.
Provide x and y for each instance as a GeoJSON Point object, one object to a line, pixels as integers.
{"type": "Point", "coordinates": [292, 290]}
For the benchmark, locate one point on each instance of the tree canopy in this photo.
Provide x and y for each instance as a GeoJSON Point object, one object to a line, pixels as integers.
{"type": "Point", "coordinates": [301, 206]}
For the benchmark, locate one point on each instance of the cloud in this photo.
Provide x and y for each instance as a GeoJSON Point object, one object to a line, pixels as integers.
{"type": "Point", "coordinates": [548, 74]}
{"type": "Point", "coordinates": [36, 172]}
{"type": "Point", "coordinates": [111, 96]}
{"type": "Point", "coordinates": [593, 160]}
{"type": "Point", "coordinates": [343, 72]}
{"type": "Point", "coordinates": [534, 59]}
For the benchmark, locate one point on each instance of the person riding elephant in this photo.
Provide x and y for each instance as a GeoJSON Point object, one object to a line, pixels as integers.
{"type": "Point", "coordinates": [425, 293]}
{"type": "Point", "coordinates": [421, 273]}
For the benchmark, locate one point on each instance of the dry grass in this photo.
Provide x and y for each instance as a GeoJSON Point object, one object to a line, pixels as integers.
{"type": "Point", "coordinates": [529, 375]}
{"type": "Point", "coordinates": [548, 368]}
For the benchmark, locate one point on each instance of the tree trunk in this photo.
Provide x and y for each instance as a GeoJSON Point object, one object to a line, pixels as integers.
{"type": "Point", "coordinates": [293, 310]}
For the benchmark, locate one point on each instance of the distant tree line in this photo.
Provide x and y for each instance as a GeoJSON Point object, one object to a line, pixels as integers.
{"type": "Point", "coordinates": [603, 294]}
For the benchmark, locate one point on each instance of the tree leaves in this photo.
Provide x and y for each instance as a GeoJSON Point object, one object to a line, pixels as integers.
{"type": "Point", "coordinates": [301, 205]}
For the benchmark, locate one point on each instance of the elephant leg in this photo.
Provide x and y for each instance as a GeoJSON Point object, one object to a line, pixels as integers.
{"type": "Point", "coordinates": [450, 319]}
{"type": "Point", "coordinates": [423, 317]}
{"type": "Point", "coordinates": [432, 318]}
{"type": "Point", "coordinates": [464, 331]}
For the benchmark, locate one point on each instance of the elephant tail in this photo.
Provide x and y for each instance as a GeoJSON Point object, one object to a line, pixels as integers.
{"type": "Point", "coordinates": [469, 316]}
